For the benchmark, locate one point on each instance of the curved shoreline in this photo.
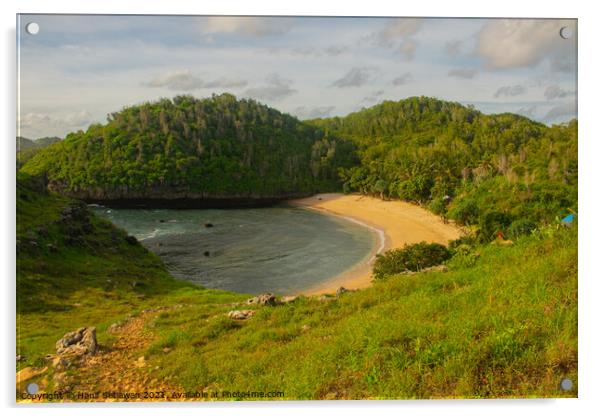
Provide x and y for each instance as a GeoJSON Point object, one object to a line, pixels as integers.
{"type": "Point", "coordinates": [396, 223]}
{"type": "Point", "coordinates": [353, 277]}
{"type": "Point", "coordinates": [382, 237]}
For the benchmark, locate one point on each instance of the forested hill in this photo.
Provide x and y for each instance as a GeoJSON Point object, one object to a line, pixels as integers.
{"type": "Point", "coordinates": [27, 148]}
{"type": "Point", "coordinates": [214, 151]}
{"type": "Point", "coordinates": [497, 172]}
{"type": "Point", "coordinates": [490, 170]}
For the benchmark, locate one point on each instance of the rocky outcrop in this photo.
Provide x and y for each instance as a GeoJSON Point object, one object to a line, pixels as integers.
{"type": "Point", "coordinates": [439, 268]}
{"type": "Point", "coordinates": [75, 223]}
{"type": "Point", "coordinates": [73, 347]}
{"type": "Point", "coordinates": [265, 299]}
{"type": "Point", "coordinates": [168, 197]}
{"type": "Point", "coordinates": [28, 373]}
{"type": "Point", "coordinates": [288, 299]}
{"type": "Point", "coordinates": [341, 290]}
{"type": "Point", "coordinates": [78, 343]}
{"type": "Point", "coordinates": [241, 315]}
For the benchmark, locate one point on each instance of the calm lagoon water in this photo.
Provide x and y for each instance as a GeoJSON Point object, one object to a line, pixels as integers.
{"type": "Point", "coordinates": [280, 249]}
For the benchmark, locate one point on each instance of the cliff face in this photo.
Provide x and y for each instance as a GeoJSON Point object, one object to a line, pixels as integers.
{"type": "Point", "coordinates": [170, 197]}
{"type": "Point", "coordinates": [213, 151]}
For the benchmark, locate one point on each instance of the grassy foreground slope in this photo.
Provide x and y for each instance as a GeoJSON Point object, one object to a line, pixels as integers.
{"type": "Point", "coordinates": [75, 269]}
{"type": "Point", "coordinates": [505, 327]}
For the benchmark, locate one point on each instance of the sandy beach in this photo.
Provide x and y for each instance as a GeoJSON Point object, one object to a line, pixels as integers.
{"type": "Point", "coordinates": [393, 223]}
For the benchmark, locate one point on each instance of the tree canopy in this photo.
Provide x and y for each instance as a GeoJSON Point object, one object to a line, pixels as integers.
{"type": "Point", "coordinates": [489, 171]}
{"type": "Point", "coordinates": [463, 164]}
{"type": "Point", "coordinates": [216, 147]}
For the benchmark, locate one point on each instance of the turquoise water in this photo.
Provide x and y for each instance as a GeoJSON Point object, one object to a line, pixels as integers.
{"type": "Point", "coordinates": [281, 249]}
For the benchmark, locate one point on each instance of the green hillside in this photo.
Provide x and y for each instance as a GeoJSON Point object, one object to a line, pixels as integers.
{"type": "Point", "coordinates": [485, 170]}
{"type": "Point", "coordinates": [214, 148]}
{"type": "Point", "coordinates": [23, 143]}
{"type": "Point", "coordinates": [27, 148]}
{"type": "Point", "coordinates": [75, 269]}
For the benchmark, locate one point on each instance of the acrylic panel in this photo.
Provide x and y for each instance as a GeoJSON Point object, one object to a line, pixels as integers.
{"type": "Point", "coordinates": [295, 208]}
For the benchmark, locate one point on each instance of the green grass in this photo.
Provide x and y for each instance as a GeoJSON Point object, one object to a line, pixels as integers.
{"type": "Point", "coordinates": [506, 327]}
{"type": "Point", "coordinates": [94, 283]}
{"type": "Point", "coordinates": [502, 326]}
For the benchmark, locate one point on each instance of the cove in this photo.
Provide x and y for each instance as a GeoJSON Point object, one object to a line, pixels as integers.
{"type": "Point", "coordinates": [280, 249]}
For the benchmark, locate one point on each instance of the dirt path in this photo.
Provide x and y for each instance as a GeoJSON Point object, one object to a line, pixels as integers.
{"type": "Point", "coordinates": [121, 370]}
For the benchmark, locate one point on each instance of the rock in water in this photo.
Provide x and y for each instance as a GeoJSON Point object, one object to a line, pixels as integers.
{"type": "Point", "coordinates": [78, 343]}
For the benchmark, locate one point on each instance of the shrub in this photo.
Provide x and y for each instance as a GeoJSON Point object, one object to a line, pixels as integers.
{"type": "Point", "coordinates": [465, 212]}
{"type": "Point", "coordinates": [491, 223]}
{"type": "Point", "coordinates": [437, 206]}
{"type": "Point", "coordinates": [521, 227]}
{"type": "Point", "coordinates": [418, 188]}
{"type": "Point", "coordinates": [410, 258]}
{"type": "Point", "coordinates": [347, 188]}
{"type": "Point", "coordinates": [463, 257]}
{"type": "Point", "coordinates": [380, 187]}
{"type": "Point", "coordinates": [464, 240]}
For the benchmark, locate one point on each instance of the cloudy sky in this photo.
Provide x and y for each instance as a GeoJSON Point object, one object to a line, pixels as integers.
{"type": "Point", "coordinates": [77, 69]}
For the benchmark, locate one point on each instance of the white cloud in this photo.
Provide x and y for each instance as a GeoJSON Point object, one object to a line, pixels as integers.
{"type": "Point", "coordinates": [510, 91]}
{"type": "Point", "coordinates": [34, 125]}
{"type": "Point", "coordinates": [179, 80]}
{"type": "Point", "coordinates": [555, 91]}
{"type": "Point", "coordinates": [529, 111]}
{"type": "Point", "coordinates": [402, 79]}
{"type": "Point", "coordinates": [184, 80]}
{"type": "Point", "coordinates": [226, 83]}
{"type": "Point", "coordinates": [336, 50]}
{"type": "Point", "coordinates": [464, 73]}
{"type": "Point", "coordinates": [247, 25]}
{"type": "Point", "coordinates": [399, 28]}
{"type": "Point", "coordinates": [407, 48]}
{"type": "Point", "coordinates": [310, 51]}
{"type": "Point", "coordinates": [514, 43]}
{"type": "Point", "coordinates": [374, 96]}
{"type": "Point", "coordinates": [98, 71]}
{"type": "Point", "coordinates": [75, 119]}
{"type": "Point", "coordinates": [316, 112]}
{"type": "Point", "coordinates": [453, 48]}
{"type": "Point", "coordinates": [355, 77]}
{"type": "Point", "coordinates": [399, 33]}
{"type": "Point", "coordinates": [562, 111]}
{"type": "Point", "coordinates": [276, 88]}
